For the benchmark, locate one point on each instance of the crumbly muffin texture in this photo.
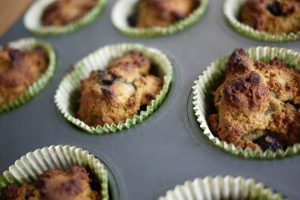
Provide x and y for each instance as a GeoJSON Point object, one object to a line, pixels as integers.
{"type": "Point", "coordinates": [18, 70]}
{"type": "Point", "coordinates": [119, 92]}
{"type": "Point", "coordinates": [273, 16]}
{"type": "Point", "coordinates": [257, 104]}
{"type": "Point", "coordinates": [157, 13]}
{"type": "Point", "coordinates": [55, 184]}
{"type": "Point", "coordinates": [62, 12]}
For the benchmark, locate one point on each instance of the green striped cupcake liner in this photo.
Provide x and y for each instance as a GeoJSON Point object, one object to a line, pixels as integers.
{"type": "Point", "coordinates": [64, 97]}
{"type": "Point", "coordinates": [32, 19]}
{"type": "Point", "coordinates": [218, 188]}
{"type": "Point", "coordinates": [124, 8]}
{"type": "Point", "coordinates": [31, 165]}
{"type": "Point", "coordinates": [38, 85]}
{"type": "Point", "coordinates": [231, 12]}
{"type": "Point", "coordinates": [213, 74]}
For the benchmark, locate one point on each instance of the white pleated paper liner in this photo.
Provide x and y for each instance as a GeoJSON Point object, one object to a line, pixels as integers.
{"type": "Point", "coordinates": [219, 188]}
{"type": "Point", "coordinates": [31, 165]}
{"type": "Point", "coordinates": [206, 83]}
{"type": "Point", "coordinates": [123, 9]}
{"type": "Point", "coordinates": [33, 22]}
{"type": "Point", "coordinates": [65, 100]}
{"type": "Point", "coordinates": [38, 85]}
{"type": "Point", "coordinates": [231, 12]}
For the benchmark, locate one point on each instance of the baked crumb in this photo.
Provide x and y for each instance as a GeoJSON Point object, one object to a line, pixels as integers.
{"type": "Point", "coordinates": [118, 93]}
{"type": "Point", "coordinates": [273, 16]}
{"type": "Point", "coordinates": [62, 12]}
{"type": "Point", "coordinates": [157, 13]}
{"type": "Point", "coordinates": [19, 70]}
{"type": "Point", "coordinates": [255, 99]}
{"type": "Point", "coordinates": [55, 184]}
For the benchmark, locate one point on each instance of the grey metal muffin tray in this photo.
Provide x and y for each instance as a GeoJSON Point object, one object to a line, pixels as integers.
{"type": "Point", "coordinates": [168, 148]}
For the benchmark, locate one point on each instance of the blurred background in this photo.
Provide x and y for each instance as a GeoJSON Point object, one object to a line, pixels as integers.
{"type": "Point", "coordinates": [10, 11]}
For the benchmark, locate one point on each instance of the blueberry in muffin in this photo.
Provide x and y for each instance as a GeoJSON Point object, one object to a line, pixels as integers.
{"type": "Point", "coordinates": [257, 104]}
{"type": "Point", "coordinates": [63, 12]}
{"type": "Point", "coordinates": [157, 13]}
{"type": "Point", "coordinates": [272, 16]}
{"type": "Point", "coordinates": [74, 183]}
{"type": "Point", "coordinates": [19, 70]}
{"type": "Point", "coordinates": [120, 91]}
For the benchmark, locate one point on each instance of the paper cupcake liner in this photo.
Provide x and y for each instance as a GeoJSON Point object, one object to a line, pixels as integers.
{"type": "Point", "coordinates": [124, 8]}
{"type": "Point", "coordinates": [231, 12]}
{"type": "Point", "coordinates": [217, 188]}
{"type": "Point", "coordinates": [38, 85]}
{"type": "Point", "coordinates": [204, 86]}
{"type": "Point", "coordinates": [31, 165]}
{"type": "Point", "coordinates": [99, 60]}
{"type": "Point", "coordinates": [32, 19]}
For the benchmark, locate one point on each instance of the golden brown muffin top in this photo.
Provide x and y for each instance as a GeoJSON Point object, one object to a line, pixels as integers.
{"type": "Point", "coordinates": [55, 184]}
{"type": "Point", "coordinates": [19, 69]}
{"type": "Point", "coordinates": [62, 12]}
{"type": "Point", "coordinates": [256, 98]}
{"type": "Point", "coordinates": [130, 67]}
{"type": "Point", "coordinates": [273, 16]}
{"type": "Point", "coordinates": [118, 93]}
{"type": "Point", "coordinates": [20, 192]}
{"type": "Point", "coordinates": [151, 13]}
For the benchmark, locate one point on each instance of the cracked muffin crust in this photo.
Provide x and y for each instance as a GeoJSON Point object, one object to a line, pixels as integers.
{"type": "Point", "coordinates": [157, 13]}
{"type": "Point", "coordinates": [118, 93]}
{"type": "Point", "coordinates": [19, 70]}
{"type": "Point", "coordinates": [55, 184]}
{"type": "Point", "coordinates": [272, 16]}
{"type": "Point", "coordinates": [63, 12]}
{"type": "Point", "coordinates": [257, 104]}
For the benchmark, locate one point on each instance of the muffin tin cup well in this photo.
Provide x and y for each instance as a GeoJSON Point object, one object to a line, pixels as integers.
{"type": "Point", "coordinates": [29, 166]}
{"type": "Point", "coordinates": [124, 8]}
{"type": "Point", "coordinates": [216, 188]}
{"type": "Point", "coordinates": [206, 83]}
{"type": "Point", "coordinates": [231, 12]}
{"type": "Point", "coordinates": [32, 19]}
{"type": "Point", "coordinates": [38, 85]}
{"type": "Point", "coordinates": [65, 99]}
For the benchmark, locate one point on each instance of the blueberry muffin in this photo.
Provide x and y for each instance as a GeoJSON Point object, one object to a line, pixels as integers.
{"type": "Point", "coordinates": [157, 13]}
{"type": "Point", "coordinates": [63, 12]}
{"type": "Point", "coordinates": [55, 184]}
{"type": "Point", "coordinates": [19, 70]}
{"type": "Point", "coordinates": [257, 104]}
{"type": "Point", "coordinates": [272, 16]}
{"type": "Point", "coordinates": [118, 93]}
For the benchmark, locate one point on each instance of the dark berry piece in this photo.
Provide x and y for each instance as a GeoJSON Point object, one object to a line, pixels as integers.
{"type": "Point", "coordinates": [177, 15]}
{"type": "Point", "coordinates": [143, 107]}
{"type": "Point", "coordinates": [270, 141]}
{"type": "Point", "coordinates": [132, 19]}
{"type": "Point", "coordinates": [106, 78]}
{"type": "Point", "coordinates": [275, 8]}
{"type": "Point", "coordinates": [109, 80]}
{"type": "Point", "coordinates": [29, 193]}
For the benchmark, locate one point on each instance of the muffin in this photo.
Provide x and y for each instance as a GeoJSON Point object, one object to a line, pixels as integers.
{"type": "Point", "coordinates": [62, 12]}
{"type": "Point", "coordinates": [221, 188]}
{"type": "Point", "coordinates": [55, 173]}
{"type": "Point", "coordinates": [272, 16]}
{"type": "Point", "coordinates": [19, 69]}
{"type": "Point", "coordinates": [57, 17]}
{"type": "Point", "coordinates": [55, 184]}
{"type": "Point", "coordinates": [257, 104]}
{"type": "Point", "coordinates": [156, 13]}
{"type": "Point", "coordinates": [265, 20]}
{"type": "Point", "coordinates": [150, 18]}
{"type": "Point", "coordinates": [114, 88]}
{"type": "Point", "coordinates": [119, 92]}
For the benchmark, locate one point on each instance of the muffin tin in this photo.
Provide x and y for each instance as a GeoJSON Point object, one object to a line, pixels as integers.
{"type": "Point", "coordinates": [166, 149]}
